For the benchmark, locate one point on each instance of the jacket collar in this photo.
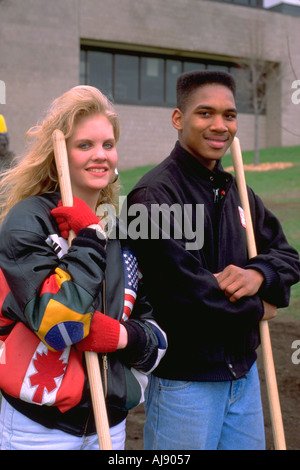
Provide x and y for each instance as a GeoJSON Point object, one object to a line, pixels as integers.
{"type": "Point", "coordinates": [191, 165]}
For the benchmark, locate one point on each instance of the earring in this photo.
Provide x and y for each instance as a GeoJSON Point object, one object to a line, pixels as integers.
{"type": "Point", "coordinates": [116, 176]}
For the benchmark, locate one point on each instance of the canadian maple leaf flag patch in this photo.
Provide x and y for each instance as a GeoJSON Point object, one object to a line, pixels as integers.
{"type": "Point", "coordinates": [44, 375]}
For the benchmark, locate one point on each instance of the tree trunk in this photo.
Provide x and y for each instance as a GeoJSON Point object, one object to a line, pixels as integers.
{"type": "Point", "coordinates": [256, 139]}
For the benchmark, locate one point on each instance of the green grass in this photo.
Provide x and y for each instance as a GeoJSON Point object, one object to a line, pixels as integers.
{"type": "Point", "coordinates": [129, 178]}
{"type": "Point", "coordinates": [279, 189]}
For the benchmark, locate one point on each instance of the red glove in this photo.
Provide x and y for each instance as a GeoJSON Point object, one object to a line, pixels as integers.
{"type": "Point", "coordinates": [103, 336]}
{"type": "Point", "coordinates": [74, 218]}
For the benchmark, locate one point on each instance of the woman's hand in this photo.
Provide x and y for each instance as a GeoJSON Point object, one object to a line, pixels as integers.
{"type": "Point", "coordinates": [74, 218]}
{"type": "Point", "coordinates": [104, 335]}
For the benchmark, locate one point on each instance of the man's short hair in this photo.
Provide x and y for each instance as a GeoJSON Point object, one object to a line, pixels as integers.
{"type": "Point", "coordinates": [188, 82]}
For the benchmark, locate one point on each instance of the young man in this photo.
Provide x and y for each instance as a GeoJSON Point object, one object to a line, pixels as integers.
{"type": "Point", "coordinates": [206, 294]}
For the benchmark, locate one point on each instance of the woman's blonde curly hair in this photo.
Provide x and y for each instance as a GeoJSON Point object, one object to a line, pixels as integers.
{"type": "Point", "coordinates": [36, 173]}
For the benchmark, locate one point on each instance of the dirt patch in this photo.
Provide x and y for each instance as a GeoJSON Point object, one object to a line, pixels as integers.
{"type": "Point", "coordinates": [264, 166]}
{"type": "Point", "coordinates": [283, 334]}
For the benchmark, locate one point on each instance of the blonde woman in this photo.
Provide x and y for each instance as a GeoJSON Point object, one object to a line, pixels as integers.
{"type": "Point", "coordinates": [52, 297]}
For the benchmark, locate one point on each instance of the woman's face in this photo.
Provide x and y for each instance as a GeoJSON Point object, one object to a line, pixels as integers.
{"type": "Point", "coordinates": [92, 156]}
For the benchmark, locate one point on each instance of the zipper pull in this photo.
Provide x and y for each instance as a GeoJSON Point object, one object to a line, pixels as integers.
{"type": "Point", "coordinates": [216, 195]}
{"type": "Point", "coordinates": [105, 363]}
{"type": "Point", "coordinates": [105, 369]}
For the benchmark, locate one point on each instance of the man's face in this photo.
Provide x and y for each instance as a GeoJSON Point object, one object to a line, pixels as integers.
{"type": "Point", "coordinates": [208, 123]}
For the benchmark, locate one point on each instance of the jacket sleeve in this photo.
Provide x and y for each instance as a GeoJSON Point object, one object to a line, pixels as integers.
{"type": "Point", "coordinates": [53, 296]}
{"type": "Point", "coordinates": [147, 342]}
{"type": "Point", "coordinates": [276, 259]}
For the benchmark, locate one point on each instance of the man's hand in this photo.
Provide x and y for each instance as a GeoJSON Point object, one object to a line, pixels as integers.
{"type": "Point", "coordinates": [238, 282]}
{"type": "Point", "coordinates": [270, 311]}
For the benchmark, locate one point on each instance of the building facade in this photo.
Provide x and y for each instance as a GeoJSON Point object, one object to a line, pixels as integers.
{"type": "Point", "coordinates": [133, 50]}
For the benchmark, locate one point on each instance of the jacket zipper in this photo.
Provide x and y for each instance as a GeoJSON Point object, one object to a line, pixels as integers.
{"type": "Point", "coordinates": [104, 356]}
{"type": "Point", "coordinates": [105, 369]}
{"type": "Point", "coordinates": [86, 424]}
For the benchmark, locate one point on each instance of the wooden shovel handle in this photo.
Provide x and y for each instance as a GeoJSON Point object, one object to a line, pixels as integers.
{"type": "Point", "coordinates": [92, 361]}
{"type": "Point", "coordinates": [267, 354]}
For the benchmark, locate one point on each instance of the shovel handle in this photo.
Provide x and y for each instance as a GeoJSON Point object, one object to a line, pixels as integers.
{"type": "Point", "coordinates": [91, 358]}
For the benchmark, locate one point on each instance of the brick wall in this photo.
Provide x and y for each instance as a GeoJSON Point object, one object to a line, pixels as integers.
{"type": "Point", "coordinates": [39, 60]}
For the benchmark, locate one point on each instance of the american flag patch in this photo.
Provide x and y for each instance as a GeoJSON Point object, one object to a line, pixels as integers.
{"type": "Point", "coordinates": [132, 276]}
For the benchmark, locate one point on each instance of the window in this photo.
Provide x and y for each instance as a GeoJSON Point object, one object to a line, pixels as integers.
{"type": "Point", "coordinates": [247, 3]}
{"type": "Point", "coordinates": [126, 83]}
{"type": "Point", "coordinates": [148, 79]}
{"type": "Point", "coordinates": [190, 66]}
{"type": "Point", "coordinates": [96, 69]}
{"type": "Point", "coordinates": [173, 69]}
{"type": "Point", "coordinates": [152, 80]}
{"type": "Point", "coordinates": [243, 89]}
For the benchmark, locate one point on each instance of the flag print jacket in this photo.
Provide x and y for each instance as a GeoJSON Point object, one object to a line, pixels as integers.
{"type": "Point", "coordinates": [54, 291]}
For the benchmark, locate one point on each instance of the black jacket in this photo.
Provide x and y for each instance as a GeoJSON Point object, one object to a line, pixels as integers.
{"type": "Point", "coordinates": [32, 257]}
{"type": "Point", "coordinates": [209, 338]}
